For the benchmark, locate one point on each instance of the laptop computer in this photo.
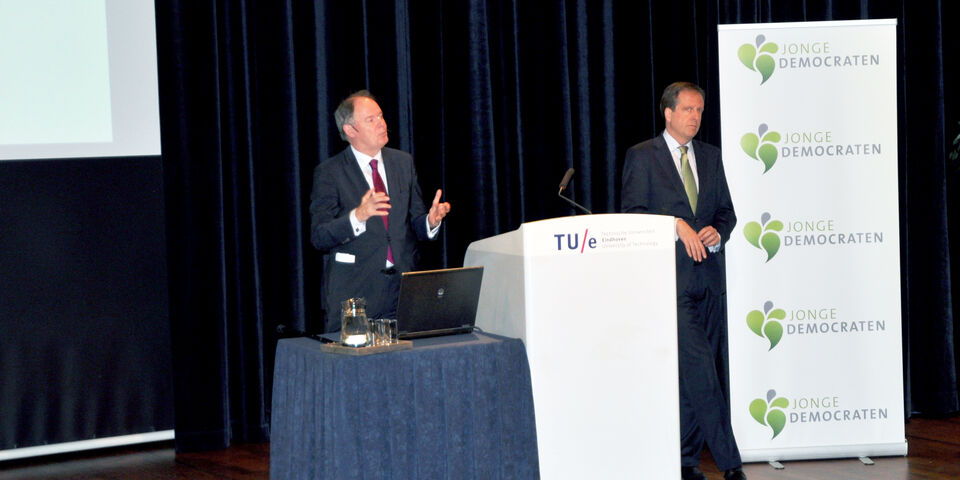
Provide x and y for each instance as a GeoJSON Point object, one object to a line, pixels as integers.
{"type": "Point", "coordinates": [438, 302]}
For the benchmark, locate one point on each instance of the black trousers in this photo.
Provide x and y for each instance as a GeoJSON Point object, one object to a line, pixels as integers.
{"type": "Point", "coordinates": [704, 381]}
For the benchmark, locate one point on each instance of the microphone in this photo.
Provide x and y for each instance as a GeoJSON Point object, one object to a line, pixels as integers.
{"type": "Point", "coordinates": [286, 331]}
{"type": "Point", "coordinates": [566, 179]}
{"type": "Point", "coordinates": [563, 184]}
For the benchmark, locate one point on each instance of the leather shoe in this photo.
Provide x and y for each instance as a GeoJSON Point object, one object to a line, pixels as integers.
{"type": "Point", "coordinates": [691, 473]}
{"type": "Point", "coordinates": [734, 474]}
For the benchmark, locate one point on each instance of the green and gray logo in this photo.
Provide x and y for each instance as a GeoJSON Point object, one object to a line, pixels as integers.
{"type": "Point", "coordinates": [765, 323]}
{"type": "Point", "coordinates": [756, 58]}
{"type": "Point", "coordinates": [764, 235]}
{"type": "Point", "coordinates": [760, 146]}
{"type": "Point", "coordinates": [768, 412]}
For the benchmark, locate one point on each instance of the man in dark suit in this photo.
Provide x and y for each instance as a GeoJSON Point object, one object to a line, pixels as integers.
{"type": "Point", "coordinates": [367, 214]}
{"type": "Point", "coordinates": [675, 175]}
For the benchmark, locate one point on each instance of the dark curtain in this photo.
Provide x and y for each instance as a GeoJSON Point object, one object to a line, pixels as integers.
{"type": "Point", "coordinates": [495, 99]}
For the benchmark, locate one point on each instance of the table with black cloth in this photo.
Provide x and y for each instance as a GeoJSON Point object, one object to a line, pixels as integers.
{"type": "Point", "coordinates": [455, 407]}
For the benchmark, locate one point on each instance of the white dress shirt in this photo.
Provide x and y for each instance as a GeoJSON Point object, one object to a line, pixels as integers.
{"type": "Point", "coordinates": [363, 161]}
{"type": "Point", "coordinates": [674, 146]}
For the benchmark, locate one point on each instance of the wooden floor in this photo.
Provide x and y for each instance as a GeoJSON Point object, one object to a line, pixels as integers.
{"type": "Point", "coordinates": [934, 447]}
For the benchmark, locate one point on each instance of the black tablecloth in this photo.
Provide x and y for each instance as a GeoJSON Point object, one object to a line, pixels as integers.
{"type": "Point", "coordinates": [457, 407]}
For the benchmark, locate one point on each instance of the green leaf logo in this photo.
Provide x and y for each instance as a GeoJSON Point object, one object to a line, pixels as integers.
{"type": "Point", "coordinates": [764, 235]}
{"type": "Point", "coordinates": [765, 323]}
{"type": "Point", "coordinates": [759, 58]}
{"type": "Point", "coordinates": [768, 412]}
{"type": "Point", "coordinates": [760, 146]}
{"type": "Point", "coordinates": [747, 54]}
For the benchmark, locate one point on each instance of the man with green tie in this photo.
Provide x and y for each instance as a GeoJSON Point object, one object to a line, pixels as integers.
{"type": "Point", "coordinates": [673, 174]}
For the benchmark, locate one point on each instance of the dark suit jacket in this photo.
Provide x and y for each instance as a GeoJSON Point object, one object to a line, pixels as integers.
{"type": "Point", "coordinates": [338, 186]}
{"type": "Point", "coordinates": [651, 184]}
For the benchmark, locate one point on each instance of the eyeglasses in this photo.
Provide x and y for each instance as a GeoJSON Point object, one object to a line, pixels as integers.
{"type": "Point", "coordinates": [372, 119]}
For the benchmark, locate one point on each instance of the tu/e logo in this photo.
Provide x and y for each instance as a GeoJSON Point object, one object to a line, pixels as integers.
{"type": "Point", "coordinates": [757, 57]}
{"type": "Point", "coordinates": [760, 146]}
{"type": "Point", "coordinates": [573, 241]}
{"type": "Point", "coordinates": [765, 323]}
{"type": "Point", "coordinates": [768, 412]}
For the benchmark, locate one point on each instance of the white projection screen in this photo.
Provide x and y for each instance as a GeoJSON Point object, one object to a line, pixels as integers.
{"type": "Point", "coordinates": [79, 79]}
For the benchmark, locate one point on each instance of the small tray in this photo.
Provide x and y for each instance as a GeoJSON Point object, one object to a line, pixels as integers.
{"type": "Point", "coordinates": [360, 351]}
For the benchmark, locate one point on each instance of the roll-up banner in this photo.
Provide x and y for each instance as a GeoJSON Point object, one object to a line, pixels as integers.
{"type": "Point", "coordinates": [809, 132]}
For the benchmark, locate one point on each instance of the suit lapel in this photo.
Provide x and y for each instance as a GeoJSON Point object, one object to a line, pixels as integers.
{"type": "Point", "coordinates": [354, 174]}
{"type": "Point", "coordinates": [665, 159]}
{"type": "Point", "coordinates": [706, 169]}
{"type": "Point", "coordinates": [395, 185]}
{"type": "Point", "coordinates": [391, 171]}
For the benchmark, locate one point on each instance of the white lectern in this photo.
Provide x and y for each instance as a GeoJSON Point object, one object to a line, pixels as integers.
{"type": "Point", "coordinates": [594, 300]}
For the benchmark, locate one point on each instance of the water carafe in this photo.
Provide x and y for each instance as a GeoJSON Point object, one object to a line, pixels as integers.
{"type": "Point", "coordinates": [354, 327]}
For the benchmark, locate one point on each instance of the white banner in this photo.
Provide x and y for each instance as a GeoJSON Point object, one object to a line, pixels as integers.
{"type": "Point", "coordinates": [809, 135]}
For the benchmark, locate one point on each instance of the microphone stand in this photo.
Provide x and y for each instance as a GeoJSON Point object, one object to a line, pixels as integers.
{"type": "Point", "coordinates": [571, 202]}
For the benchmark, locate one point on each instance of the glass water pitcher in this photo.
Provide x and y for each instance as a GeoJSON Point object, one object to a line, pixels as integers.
{"type": "Point", "coordinates": [354, 327]}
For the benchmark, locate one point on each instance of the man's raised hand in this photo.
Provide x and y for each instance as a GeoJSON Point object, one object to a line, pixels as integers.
{"type": "Point", "coordinates": [438, 210]}
{"type": "Point", "coordinates": [373, 204]}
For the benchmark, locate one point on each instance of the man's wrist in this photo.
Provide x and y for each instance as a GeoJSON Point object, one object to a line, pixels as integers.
{"type": "Point", "coordinates": [357, 225]}
{"type": "Point", "coordinates": [356, 215]}
{"type": "Point", "coordinates": [431, 230]}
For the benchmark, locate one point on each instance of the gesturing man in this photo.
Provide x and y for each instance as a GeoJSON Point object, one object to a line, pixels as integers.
{"type": "Point", "coordinates": [673, 174]}
{"type": "Point", "coordinates": [367, 213]}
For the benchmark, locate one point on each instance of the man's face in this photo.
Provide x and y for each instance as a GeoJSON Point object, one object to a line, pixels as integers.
{"type": "Point", "coordinates": [368, 131]}
{"type": "Point", "coordinates": [683, 122]}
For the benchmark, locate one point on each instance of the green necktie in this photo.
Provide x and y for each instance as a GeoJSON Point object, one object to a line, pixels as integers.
{"type": "Point", "coordinates": [689, 182]}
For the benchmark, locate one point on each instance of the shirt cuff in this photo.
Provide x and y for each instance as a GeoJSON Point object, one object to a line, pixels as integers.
{"type": "Point", "coordinates": [358, 226]}
{"type": "Point", "coordinates": [432, 232]}
{"type": "Point", "coordinates": [676, 237]}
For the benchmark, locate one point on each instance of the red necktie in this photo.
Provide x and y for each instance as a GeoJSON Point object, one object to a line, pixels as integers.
{"type": "Point", "coordinates": [379, 187]}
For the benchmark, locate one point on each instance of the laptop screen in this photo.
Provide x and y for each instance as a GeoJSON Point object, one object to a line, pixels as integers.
{"type": "Point", "coordinates": [438, 302]}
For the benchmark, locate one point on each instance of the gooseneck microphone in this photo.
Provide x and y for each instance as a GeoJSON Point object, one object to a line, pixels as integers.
{"type": "Point", "coordinates": [288, 331]}
{"type": "Point", "coordinates": [563, 184]}
{"type": "Point", "coordinates": [566, 179]}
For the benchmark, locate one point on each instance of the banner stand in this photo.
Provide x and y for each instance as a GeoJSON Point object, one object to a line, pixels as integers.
{"type": "Point", "coordinates": [809, 137]}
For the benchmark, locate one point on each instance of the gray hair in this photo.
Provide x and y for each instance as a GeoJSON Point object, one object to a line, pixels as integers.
{"type": "Point", "coordinates": [343, 115]}
{"type": "Point", "coordinates": [669, 98]}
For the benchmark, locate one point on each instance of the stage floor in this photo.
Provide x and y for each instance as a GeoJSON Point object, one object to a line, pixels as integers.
{"type": "Point", "coordinates": [934, 454]}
